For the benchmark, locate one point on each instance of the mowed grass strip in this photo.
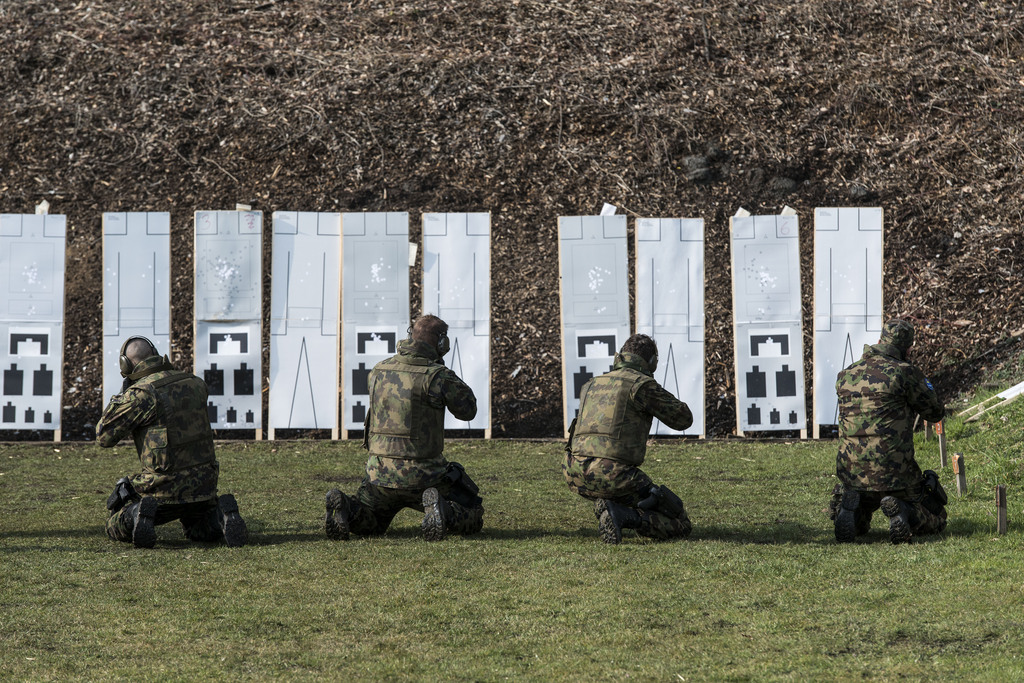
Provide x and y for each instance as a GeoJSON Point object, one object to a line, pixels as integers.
{"type": "Point", "coordinates": [760, 590]}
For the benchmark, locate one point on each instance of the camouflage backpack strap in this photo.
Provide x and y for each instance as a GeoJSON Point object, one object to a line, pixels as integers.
{"type": "Point", "coordinates": [170, 379]}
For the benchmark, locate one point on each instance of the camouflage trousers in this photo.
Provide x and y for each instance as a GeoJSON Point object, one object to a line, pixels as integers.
{"type": "Point", "coordinates": [199, 520]}
{"type": "Point", "coordinates": [376, 506]}
{"type": "Point", "coordinates": [597, 478]}
{"type": "Point", "coordinates": [921, 519]}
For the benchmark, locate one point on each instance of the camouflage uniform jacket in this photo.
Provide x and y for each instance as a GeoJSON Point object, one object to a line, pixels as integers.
{"type": "Point", "coordinates": [405, 423]}
{"type": "Point", "coordinates": [616, 411]}
{"type": "Point", "coordinates": [165, 413]}
{"type": "Point", "coordinates": [879, 396]}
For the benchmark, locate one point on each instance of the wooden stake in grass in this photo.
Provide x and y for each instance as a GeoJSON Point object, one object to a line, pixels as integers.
{"type": "Point", "coordinates": [927, 431]}
{"type": "Point", "coordinates": [1001, 509]}
{"type": "Point", "coordinates": [961, 474]}
{"type": "Point", "coordinates": [940, 429]}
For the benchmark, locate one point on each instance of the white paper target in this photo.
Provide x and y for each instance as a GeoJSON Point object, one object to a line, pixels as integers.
{"type": "Point", "coordinates": [375, 301]}
{"type": "Point", "coordinates": [847, 296]}
{"type": "Point", "coordinates": [31, 320]}
{"type": "Point", "coordinates": [670, 308]}
{"type": "Point", "coordinates": [228, 313]}
{"type": "Point", "coordinates": [767, 324]}
{"type": "Point", "coordinates": [594, 300]}
{"type": "Point", "coordinates": [304, 353]}
{"type": "Point", "coordinates": [457, 289]}
{"type": "Point", "coordinates": [136, 286]}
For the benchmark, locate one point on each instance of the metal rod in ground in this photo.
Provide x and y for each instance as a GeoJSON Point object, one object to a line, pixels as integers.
{"type": "Point", "coordinates": [940, 428]}
{"type": "Point", "coordinates": [1001, 509]}
{"type": "Point", "coordinates": [961, 473]}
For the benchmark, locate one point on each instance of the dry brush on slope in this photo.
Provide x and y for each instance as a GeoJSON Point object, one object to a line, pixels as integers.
{"type": "Point", "coordinates": [531, 110]}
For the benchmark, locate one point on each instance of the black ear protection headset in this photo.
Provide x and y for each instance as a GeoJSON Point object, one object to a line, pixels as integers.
{"type": "Point", "coordinates": [127, 366]}
{"type": "Point", "coordinates": [652, 362]}
{"type": "Point", "coordinates": [443, 346]}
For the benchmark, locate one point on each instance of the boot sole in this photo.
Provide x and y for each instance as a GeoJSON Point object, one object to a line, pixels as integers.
{"type": "Point", "coordinates": [846, 518]}
{"type": "Point", "coordinates": [336, 521]}
{"type": "Point", "coordinates": [899, 528]}
{"type": "Point", "coordinates": [144, 532]}
{"type": "Point", "coordinates": [433, 525]}
{"type": "Point", "coordinates": [236, 533]}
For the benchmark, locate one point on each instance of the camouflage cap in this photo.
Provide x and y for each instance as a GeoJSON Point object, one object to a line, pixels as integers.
{"type": "Point", "coordinates": [899, 333]}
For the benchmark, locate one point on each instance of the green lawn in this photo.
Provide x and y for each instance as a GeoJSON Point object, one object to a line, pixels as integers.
{"type": "Point", "coordinates": [760, 591]}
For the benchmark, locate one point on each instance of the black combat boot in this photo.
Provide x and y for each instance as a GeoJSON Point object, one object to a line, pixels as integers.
{"type": "Point", "coordinates": [339, 511]}
{"type": "Point", "coordinates": [612, 518]}
{"type": "Point", "coordinates": [435, 515]}
{"type": "Point", "coordinates": [899, 520]}
{"type": "Point", "coordinates": [846, 517]}
{"type": "Point", "coordinates": [236, 533]}
{"type": "Point", "coordinates": [144, 527]}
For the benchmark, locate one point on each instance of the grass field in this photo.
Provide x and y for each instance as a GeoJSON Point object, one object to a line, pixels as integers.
{"type": "Point", "coordinates": [760, 591]}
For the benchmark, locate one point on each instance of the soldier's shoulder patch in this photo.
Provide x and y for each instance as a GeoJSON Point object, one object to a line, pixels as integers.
{"type": "Point", "coordinates": [928, 383]}
{"type": "Point", "coordinates": [118, 399]}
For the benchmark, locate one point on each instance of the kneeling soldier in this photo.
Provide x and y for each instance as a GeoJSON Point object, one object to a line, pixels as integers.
{"type": "Point", "coordinates": [879, 397]}
{"type": "Point", "coordinates": [404, 434]}
{"type": "Point", "coordinates": [164, 411]}
{"type": "Point", "coordinates": [608, 443]}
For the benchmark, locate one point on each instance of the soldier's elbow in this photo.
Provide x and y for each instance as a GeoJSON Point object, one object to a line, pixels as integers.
{"type": "Point", "coordinates": [466, 415]}
{"type": "Point", "coordinates": [682, 424]}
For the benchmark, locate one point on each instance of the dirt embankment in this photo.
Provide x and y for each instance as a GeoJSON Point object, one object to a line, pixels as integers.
{"type": "Point", "coordinates": [531, 110]}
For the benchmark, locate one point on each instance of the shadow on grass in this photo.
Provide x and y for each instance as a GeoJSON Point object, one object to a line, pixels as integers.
{"type": "Point", "coordinates": [793, 533]}
{"type": "Point", "coordinates": [54, 533]}
{"type": "Point", "coordinates": [783, 533]}
{"type": "Point", "coordinates": [46, 535]}
{"type": "Point", "coordinates": [523, 534]}
{"type": "Point", "coordinates": [414, 534]}
{"type": "Point", "coordinates": [960, 526]}
{"type": "Point", "coordinates": [282, 538]}
{"type": "Point", "coordinates": [261, 533]}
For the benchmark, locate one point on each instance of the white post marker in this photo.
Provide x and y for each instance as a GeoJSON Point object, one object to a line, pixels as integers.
{"type": "Point", "coordinates": [457, 289]}
{"type": "Point", "coordinates": [228, 314]}
{"type": "Point", "coordinates": [32, 320]}
{"type": "Point", "coordinates": [136, 286]}
{"type": "Point", "coordinates": [670, 308]}
{"type": "Point", "coordinates": [940, 429]}
{"type": "Point", "coordinates": [304, 307]}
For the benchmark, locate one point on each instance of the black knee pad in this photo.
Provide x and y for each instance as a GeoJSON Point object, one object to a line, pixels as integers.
{"type": "Point", "coordinates": [463, 490]}
{"type": "Point", "coordinates": [662, 500]}
{"type": "Point", "coordinates": [122, 494]}
{"type": "Point", "coordinates": [935, 498]}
